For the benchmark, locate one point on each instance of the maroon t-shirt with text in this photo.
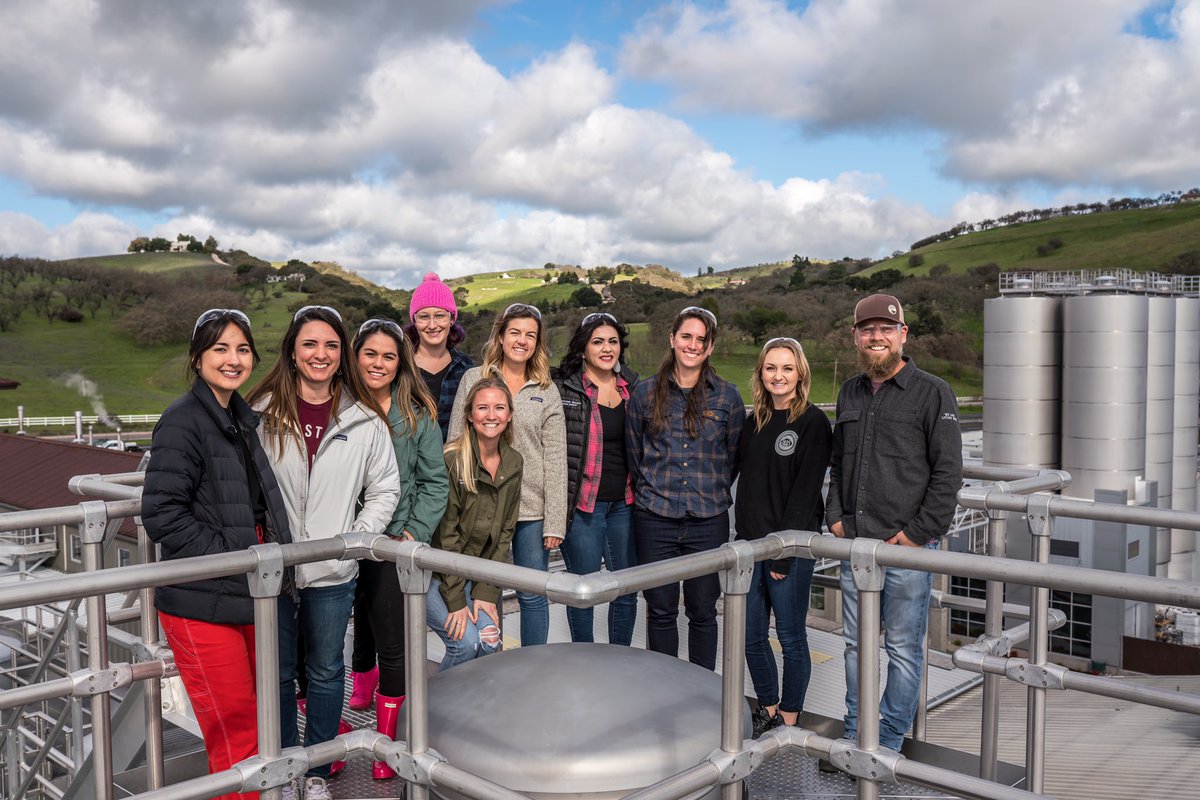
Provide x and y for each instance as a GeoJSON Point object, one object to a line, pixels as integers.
{"type": "Point", "coordinates": [314, 419]}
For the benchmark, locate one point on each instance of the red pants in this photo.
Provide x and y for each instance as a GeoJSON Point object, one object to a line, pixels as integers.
{"type": "Point", "coordinates": [216, 664]}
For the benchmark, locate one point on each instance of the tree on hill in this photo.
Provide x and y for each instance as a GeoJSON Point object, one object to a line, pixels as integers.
{"type": "Point", "coordinates": [567, 277]}
{"type": "Point", "coordinates": [758, 320]}
{"type": "Point", "coordinates": [586, 297]}
{"type": "Point", "coordinates": [139, 245]}
{"type": "Point", "coordinates": [211, 245]}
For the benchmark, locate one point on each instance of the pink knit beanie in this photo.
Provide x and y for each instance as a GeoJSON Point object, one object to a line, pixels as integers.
{"type": "Point", "coordinates": [432, 293]}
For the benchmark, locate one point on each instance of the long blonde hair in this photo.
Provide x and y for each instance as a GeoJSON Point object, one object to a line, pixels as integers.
{"type": "Point", "coordinates": [537, 368]}
{"type": "Point", "coordinates": [763, 405]}
{"type": "Point", "coordinates": [462, 448]}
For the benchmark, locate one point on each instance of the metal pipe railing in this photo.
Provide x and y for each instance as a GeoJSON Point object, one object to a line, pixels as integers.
{"type": "Point", "coordinates": [422, 768]}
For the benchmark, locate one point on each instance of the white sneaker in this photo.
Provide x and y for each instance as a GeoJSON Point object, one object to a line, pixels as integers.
{"type": "Point", "coordinates": [290, 790]}
{"type": "Point", "coordinates": [315, 789]}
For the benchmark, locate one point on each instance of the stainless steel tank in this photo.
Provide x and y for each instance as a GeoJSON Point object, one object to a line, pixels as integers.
{"type": "Point", "coordinates": [1160, 412]}
{"type": "Point", "coordinates": [1184, 564]}
{"type": "Point", "coordinates": [1022, 381]}
{"type": "Point", "coordinates": [576, 720]}
{"type": "Point", "coordinates": [1104, 392]}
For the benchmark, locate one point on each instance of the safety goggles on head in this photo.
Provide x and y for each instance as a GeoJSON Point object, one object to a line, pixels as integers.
{"type": "Point", "coordinates": [218, 313]}
{"type": "Point", "coordinates": [308, 309]}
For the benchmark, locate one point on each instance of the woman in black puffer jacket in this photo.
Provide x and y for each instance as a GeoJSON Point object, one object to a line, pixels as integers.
{"type": "Point", "coordinates": [595, 384]}
{"type": "Point", "coordinates": [210, 489]}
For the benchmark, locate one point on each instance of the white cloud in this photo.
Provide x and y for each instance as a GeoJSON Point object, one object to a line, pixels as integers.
{"type": "Point", "coordinates": [377, 136]}
{"type": "Point", "coordinates": [1021, 89]}
{"type": "Point", "coordinates": [88, 234]}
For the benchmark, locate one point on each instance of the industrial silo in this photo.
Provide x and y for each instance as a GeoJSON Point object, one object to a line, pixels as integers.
{"type": "Point", "coordinates": [1160, 412]}
{"type": "Point", "coordinates": [1187, 398]}
{"type": "Point", "coordinates": [1104, 392]}
{"type": "Point", "coordinates": [1022, 380]}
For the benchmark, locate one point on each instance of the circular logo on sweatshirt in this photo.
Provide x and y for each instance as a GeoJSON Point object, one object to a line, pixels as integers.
{"type": "Point", "coordinates": [785, 445]}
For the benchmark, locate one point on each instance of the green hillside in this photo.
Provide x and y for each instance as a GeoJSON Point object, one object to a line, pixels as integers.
{"type": "Point", "coordinates": [150, 262]}
{"type": "Point", "coordinates": [1141, 239]}
{"type": "Point", "coordinates": [812, 303]}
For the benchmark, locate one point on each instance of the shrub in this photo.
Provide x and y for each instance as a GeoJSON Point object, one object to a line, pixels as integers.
{"type": "Point", "coordinates": [70, 314]}
{"type": "Point", "coordinates": [916, 260]}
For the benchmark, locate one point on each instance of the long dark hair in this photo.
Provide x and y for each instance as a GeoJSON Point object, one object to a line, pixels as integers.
{"type": "Point", "coordinates": [412, 395]}
{"type": "Point", "coordinates": [572, 361]}
{"type": "Point", "coordinates": [208, 332]}
{"type": "Point", "coordinates": [278, 387]}
{"type": "Point", "coordinates": [660, 404]}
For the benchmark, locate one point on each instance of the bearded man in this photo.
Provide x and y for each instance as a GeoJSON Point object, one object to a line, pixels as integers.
{"type": "Point", "coordinates": [895, 474]}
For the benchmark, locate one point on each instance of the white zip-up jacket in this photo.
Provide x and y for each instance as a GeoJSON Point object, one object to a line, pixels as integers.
{"type": "Point", "coordinates": [355, 455]}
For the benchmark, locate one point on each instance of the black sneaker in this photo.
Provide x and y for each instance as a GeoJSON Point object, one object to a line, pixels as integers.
{"type": "Point", "coordinates": [763, 722]}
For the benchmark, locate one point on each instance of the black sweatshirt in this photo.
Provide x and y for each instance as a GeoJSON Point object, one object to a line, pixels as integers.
{"type": "Point", "coordinates": [782, 470]}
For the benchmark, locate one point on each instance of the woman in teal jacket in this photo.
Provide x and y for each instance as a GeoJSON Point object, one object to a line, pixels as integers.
{"type": "Point", "coordinates": [385, 361]}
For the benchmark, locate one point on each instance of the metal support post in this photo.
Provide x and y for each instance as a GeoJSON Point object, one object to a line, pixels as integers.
{"type": "Point", "coordinates": [265, 583]}
{"type": "Point", "coordinates": [73, 665]}
{"type": "Point", "coordinates": [414, 582]}
{"type": "Point", "coordinates": [735, 583]}
{"type": "Point", "coordinates": [155, 766]}
{"type": "Point", "coordinates": [993, 626]}
{"type": "Point", "coordinates": [868, 578]}
{"type": "Point", "coordinates": [1041, 526]}
{"type": "Point", "coordinates": [92, 534]}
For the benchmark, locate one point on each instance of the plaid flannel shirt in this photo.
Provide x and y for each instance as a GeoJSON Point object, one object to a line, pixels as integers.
{"type": "Point", "coordinates": [678, 475]}
{"type": "Point", "coordinates": [593, 465]}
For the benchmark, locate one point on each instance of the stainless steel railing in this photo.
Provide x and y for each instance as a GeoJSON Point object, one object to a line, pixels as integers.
{"type": "Point", "coordinates": [736, 759]}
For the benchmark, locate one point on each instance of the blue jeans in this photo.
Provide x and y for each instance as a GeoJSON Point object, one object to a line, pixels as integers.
{"type": "Point", "coordinates": [323, 614]}
{"type": "Point", "coordinates": [659, 538]}
{"type": "Point", "coordinates": [905, 606]}
{"type": "Point", "coordinates": [529, 550]}
{"type": "Point", "coordinates": [470, 645]}
{"type": "Point", "coordinates": [602, 534]}
{"type": "Point", "coordinates": [788, 598]}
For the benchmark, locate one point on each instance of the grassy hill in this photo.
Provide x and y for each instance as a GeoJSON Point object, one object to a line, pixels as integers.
{"type": "Point", "coordinates": [1141, 239]}
{"type": "Point", "coordinates": [150, 262]}
{"type": "Point", "coordinates": [133, 378]}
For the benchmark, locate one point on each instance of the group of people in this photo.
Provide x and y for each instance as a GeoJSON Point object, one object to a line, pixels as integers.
{"type": "Point", "coordinates": [395, 431]}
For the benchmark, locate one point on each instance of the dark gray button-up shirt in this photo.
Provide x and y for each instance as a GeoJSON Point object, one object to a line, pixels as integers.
{"type": "Point", "coordinates": [897, 457]}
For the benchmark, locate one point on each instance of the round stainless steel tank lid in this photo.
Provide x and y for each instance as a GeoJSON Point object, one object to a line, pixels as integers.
{"type": "Point", "coordinates": [576, 719]}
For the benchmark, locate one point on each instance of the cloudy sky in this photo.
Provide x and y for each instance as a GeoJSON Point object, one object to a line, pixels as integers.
{"type": "Point", "coordinates": [463, 135]}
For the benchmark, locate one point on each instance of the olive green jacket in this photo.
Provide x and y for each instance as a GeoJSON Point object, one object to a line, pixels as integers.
{"type": "Point", "coordinates": [480, 524]}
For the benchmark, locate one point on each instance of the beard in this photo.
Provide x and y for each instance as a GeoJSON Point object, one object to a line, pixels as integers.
{"type": "Point", "coordinates": [878, 367]}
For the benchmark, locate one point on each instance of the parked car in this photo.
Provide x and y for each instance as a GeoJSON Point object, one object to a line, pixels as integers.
{"type": "Point", "coordinates": [117, 444]}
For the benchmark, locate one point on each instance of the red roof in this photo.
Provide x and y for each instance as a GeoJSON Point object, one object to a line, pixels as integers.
{"type": "Point", "coordinates": [34, 472]}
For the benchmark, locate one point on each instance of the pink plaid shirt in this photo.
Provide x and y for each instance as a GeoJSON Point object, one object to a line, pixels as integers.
{"type": "Point", "coordinates": [589, 479]}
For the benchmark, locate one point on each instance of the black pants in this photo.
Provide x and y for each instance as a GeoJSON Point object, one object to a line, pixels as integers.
{"type": "Point", "coordinates": [379, 625]}
{"type": "Point", "coordinates": [659, 538]}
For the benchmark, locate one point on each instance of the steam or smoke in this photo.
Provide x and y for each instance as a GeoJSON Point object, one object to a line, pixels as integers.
{"type": "Point", "coordinates": [88, 389]}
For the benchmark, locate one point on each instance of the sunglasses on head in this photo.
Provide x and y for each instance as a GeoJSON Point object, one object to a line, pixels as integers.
{"type": "Point", "coordinates": [517, 308]}
{"type": "Point", "coordinates": [309, 309]}
{"type": "Point", "coordinates": [379, 323]}
{"type": "Point", "coordinates": [219, 313]}
{"type": "Point", "coordinates": [590, 318]}
{"type": "Point", "coordinates": [704, 312]}
{"type": "Point", "coordinates": [782, 340]}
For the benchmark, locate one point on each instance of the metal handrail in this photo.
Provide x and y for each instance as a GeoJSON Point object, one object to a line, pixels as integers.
{"type": "Point", "coordinates": [415, 560]}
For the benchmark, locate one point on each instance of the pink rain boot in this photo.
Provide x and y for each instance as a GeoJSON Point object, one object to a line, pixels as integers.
{"type": "Point", "coordinates": [387, 713]}
{"type": "Point", "coordinates": [364, 688]}
{"type": "Point", "coordinates": [337, 766]}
